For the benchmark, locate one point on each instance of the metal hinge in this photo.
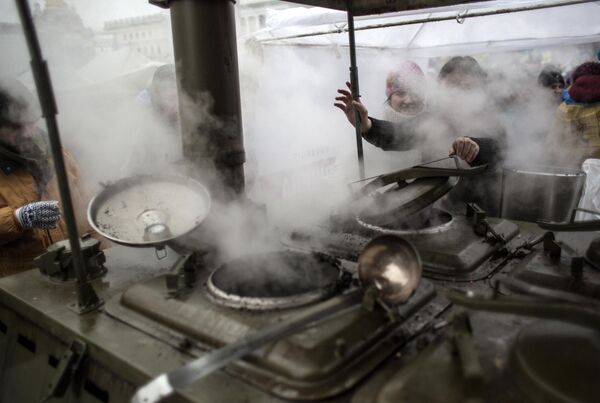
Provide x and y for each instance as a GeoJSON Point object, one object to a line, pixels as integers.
{"type": "Point", "coordinates": [68, 366]}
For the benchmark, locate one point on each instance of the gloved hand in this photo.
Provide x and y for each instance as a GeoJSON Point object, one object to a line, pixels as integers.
{"type": "Point", "coordinates": [42, 214]}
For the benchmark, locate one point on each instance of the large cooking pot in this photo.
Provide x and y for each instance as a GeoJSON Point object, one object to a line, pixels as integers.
{"type": "Point", "coordinates": [540, 192]}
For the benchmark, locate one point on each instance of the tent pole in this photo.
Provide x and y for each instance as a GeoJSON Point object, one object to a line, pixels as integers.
{"type": "Point", "coordinates": [87, 299]}
{"type": "Point", "coordinates": [355, 90]}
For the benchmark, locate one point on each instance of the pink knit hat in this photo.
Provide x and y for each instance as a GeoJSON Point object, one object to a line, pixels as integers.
{"type": "Point", "coordinates": [408, 76]}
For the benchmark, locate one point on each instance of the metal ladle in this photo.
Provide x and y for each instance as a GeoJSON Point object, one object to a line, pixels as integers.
{"type": "Point", "coordinates": [389, 265]}
{"type": "Point", "coordinates": [392, 266]}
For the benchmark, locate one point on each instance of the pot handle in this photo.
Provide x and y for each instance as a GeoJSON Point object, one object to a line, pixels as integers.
{"type": "Point", "coordinates": [539, 306]}
{"type": "Point", "coordinates": [572, 225]}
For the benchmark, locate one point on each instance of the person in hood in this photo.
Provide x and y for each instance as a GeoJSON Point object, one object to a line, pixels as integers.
{"type": "Point", "coordinates": [154, 132]}
{"type": "Point", "coordinates": [552, 79]}
{"type": "Point", "coordinates": [161, 94]}
{"type": "Point", "coordinates": [30, 216]}
{"type": "Point", "coordinates": [456, 122]}
{"type": "Point", "coordinates": [577, 133]}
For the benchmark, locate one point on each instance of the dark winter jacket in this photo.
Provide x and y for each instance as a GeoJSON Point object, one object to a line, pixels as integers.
{"type": "Point", "coordinates": [433, 136]}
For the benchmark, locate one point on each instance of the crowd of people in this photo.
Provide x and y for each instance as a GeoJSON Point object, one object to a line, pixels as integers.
{"type": "Point", "coordinates": [461, 118]}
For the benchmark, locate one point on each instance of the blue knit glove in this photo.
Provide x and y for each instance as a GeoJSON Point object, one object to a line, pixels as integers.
{"type": "Point", "coordinates": [42, 214]}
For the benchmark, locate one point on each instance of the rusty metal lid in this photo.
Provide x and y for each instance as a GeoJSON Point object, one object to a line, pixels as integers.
{"type": "Point", "coordinates": [402, 200]}
{"type": "Point", "coordinates": [393, 196]}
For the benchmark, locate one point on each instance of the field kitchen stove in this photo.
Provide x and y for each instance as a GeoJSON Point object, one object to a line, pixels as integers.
{"type": "Point", "coordinates": [205, 304]}
{"type": "Point", "coordinates": [458, 246]}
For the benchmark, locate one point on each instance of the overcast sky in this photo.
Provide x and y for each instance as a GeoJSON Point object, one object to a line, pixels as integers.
{"type": "Point", "coordinates": [93, 12]}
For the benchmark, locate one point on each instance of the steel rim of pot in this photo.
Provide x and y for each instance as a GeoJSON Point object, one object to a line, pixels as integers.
{"type": "Point", "coordinates": [265, 303]}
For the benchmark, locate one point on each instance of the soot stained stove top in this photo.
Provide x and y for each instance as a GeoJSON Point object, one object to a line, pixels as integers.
{"type": "Point", "coordinates": [559, 264]}
{"type": "Point", "coordinates": [322, 361]}
{"type": "Point", "coordinates": [451, 249]}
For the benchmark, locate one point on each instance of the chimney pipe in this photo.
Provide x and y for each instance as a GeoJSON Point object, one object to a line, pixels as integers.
{"type": "Point", "coordinates": [204, 41]}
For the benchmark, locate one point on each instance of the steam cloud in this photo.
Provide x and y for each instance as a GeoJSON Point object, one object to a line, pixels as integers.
{"type": "Point", "coordinates": [301, 150]}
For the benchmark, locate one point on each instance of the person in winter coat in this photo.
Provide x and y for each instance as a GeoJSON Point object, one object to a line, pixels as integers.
{"type": "Point", "coordinates": [457, 121]}
{"type": "Point", "coordinates": [551, 78]}
{"type": "Point", "coordinates": [577, 133]}
{"type": "Point", "coordinates": [30, 217]}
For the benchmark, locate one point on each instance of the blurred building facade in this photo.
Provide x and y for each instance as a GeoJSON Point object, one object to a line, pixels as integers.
{"type": "Point", "coordinates": [149, 35]}
{"type": "Point", "coordinates": [252, 14]}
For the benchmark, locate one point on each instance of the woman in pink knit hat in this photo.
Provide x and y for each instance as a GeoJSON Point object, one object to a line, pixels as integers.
{"type": "Point", "coordinates": [405, 90]}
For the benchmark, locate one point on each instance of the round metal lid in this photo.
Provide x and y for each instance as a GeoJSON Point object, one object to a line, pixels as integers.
{"type": "Point", "coordinates": [403, 200]}
{"type": "Point", "coordinates": [148, 210]}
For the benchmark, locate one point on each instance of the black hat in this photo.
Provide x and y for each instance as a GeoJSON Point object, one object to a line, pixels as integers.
{"type": "Point", "coordinates": [463, 64]}
{"type": "Point", "coordinates": [550, 75]}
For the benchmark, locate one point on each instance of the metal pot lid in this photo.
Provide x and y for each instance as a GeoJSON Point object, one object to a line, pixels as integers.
{"type": "Point", "coordinates": [403, 199]}
{"type": "Point", "coordinates": [149, 210]}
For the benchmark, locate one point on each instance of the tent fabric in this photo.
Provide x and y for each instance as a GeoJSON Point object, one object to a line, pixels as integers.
{"type": "Point", "coordinates": [558, 26]}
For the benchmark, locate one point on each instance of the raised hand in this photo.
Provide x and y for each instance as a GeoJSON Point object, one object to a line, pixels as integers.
{"type": "Point", "coordinates": [42, 214]}
{"type": "Point", "coordinates": [348, 105]}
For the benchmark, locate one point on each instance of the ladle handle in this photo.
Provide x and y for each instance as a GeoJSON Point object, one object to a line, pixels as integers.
{"type": "Point", "coordinates": [532, 306]}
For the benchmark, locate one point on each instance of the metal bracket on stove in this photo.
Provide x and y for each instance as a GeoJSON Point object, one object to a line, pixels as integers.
{"type": "Point", "coordinates": [554, 249]}
{"type": "Point", "coordinates": [462, 335]}
{"type": "Point", "coordinates": [481, 226]}
{"type": "Point", "coordinates": [182, 275]}
{"type": "Point", "coordinates": [69, 364]}
{"type": "Point", "coordinates": [371, 299]}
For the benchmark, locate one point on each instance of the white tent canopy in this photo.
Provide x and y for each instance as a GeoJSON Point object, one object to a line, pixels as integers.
{"type": "Point", "coordinates": [557, 26]}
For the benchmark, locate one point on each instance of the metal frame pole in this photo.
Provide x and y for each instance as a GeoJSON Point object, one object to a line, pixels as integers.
{"type": "Point", "coordinates": [355, 89]}
{"type": "Point", "coordinates": [87, 299]}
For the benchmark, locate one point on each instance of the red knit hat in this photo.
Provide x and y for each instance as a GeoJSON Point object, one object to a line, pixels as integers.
{"type": "Point", "coordinates": [408, 76]}
{"type": "Point", "coordinates": [586, 69]}
{"type": "Point", "coordinates": [586, 83]}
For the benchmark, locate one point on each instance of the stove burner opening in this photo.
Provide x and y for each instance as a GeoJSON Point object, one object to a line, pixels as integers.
{"type": "Point", "coordinates": [425, 220]}
{"type": "Point", "coordinates": [274, 280]}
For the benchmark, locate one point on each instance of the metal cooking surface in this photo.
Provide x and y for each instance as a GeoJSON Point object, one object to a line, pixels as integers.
{"type": "Point", "coordinates": [321, 361]}
{"type": "Point", "coordinates": [451, 250]}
